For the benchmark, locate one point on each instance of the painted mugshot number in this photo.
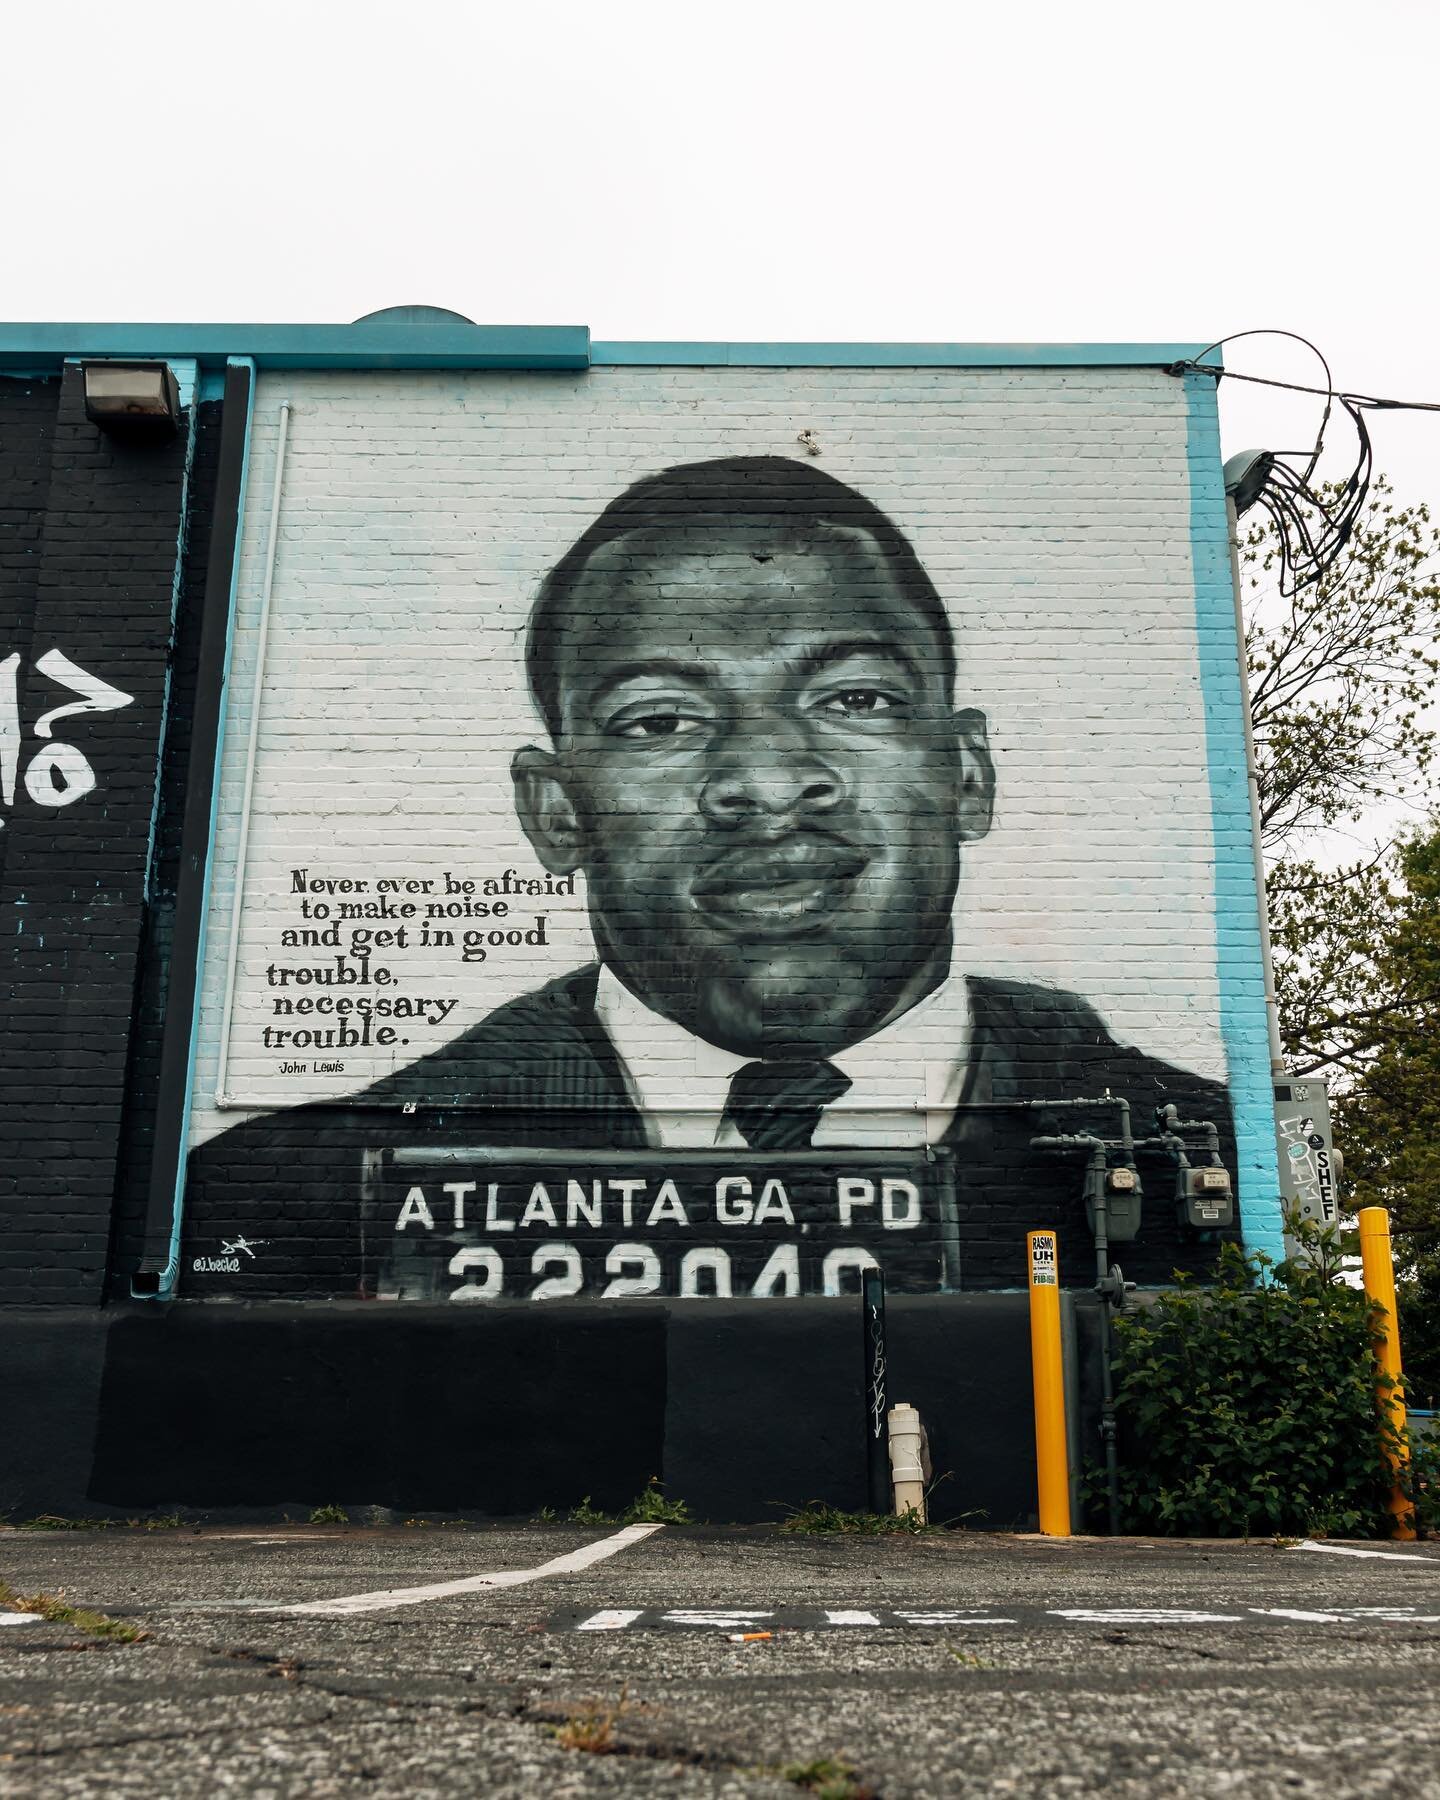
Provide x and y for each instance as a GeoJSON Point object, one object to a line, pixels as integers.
{"type": "Point", "coordinates": [698, 1229]}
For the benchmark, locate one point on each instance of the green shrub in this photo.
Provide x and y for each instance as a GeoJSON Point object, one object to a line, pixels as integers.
{"type": "Point", "coordinates": [1248, 1408]}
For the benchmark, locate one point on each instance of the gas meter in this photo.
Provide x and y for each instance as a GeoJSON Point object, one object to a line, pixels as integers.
{"type": "Point", "coordinates": [1206, 1200]}
{"type": "Point", "coordinates": [1123, 1200]}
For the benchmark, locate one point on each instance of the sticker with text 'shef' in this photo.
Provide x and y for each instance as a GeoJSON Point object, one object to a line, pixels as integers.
{"type": "Point", "coordinates": [1043, 1267]}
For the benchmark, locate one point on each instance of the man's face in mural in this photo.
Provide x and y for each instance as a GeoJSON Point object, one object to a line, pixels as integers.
{"type": "Point", "coordinates": [759, 771]}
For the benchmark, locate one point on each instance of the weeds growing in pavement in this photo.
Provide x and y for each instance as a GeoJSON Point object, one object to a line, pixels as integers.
{"type": "Point", "coordinates": [652, 1508]}
{"type": "Point", "coordinates": [816, 1519]}
{"type": "Point", "coordinates": [592, 1727]}
{"type": "Point", "coordinates": [547, 1515]}
{"type": "Point", "coordinates": [586, 1514]}
{"type": "Point", "coordinates": [967, 1659]}
{"type": "Point", "coordinates": [827, 1778]}
{"type": "Point", "coordinates": [329, 1515]}
{"type": "Point", "coordinates": [58, 1522]}
{"type": "Point", "coordinates": [60, 1612]}
{"type": "Point", "coordinates": [648, 1508]}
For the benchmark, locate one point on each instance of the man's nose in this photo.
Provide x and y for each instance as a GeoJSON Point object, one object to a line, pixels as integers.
{"type": "Point", "coordinates": [755, 778]}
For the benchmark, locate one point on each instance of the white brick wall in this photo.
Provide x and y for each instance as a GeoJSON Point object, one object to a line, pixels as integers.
{"type": "Point", "coordinates": [420, 512]}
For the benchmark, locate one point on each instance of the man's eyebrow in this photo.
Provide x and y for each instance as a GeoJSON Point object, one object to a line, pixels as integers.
{"type": "Point", "coordinates": [820, 656]}
{"type": "Point", "coordinates": [670, 666]}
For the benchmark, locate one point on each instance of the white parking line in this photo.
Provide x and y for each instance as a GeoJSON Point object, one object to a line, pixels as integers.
{"type": "Point", "coordinates": [570, 1564]}
{"type": "Point", "coordinates": [1419, 1561]}
{"type": "Point", "coordinates": [1144, 1615]}
{"type": "Point", "coordinates": [264, 1537]}
{"type": "Point", "coordinates": [780, 1622]}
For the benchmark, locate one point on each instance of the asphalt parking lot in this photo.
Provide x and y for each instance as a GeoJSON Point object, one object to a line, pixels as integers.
{"type": "Point", "coordinates": [414, 1660]}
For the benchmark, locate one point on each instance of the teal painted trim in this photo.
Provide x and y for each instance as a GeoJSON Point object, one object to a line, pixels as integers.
{"type": "Point", "coordinates": [186, 371]}
{"type": "Point", "coordinates": [898, 356]}
{"type": "Point", "coordinates": [400, 344]}
{"type": "Point", "coordinates": [166, 1286]}
{"type": "Point", "coordinates": [212, 385]}
{"type": "Point", "coordinates": [1237, 905]}
{"type": "Point", "coordinates": [377, 345]}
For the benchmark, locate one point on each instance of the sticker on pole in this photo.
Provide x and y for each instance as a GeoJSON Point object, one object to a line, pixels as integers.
{"type": "Point", "coordinates": [1043, 1265]}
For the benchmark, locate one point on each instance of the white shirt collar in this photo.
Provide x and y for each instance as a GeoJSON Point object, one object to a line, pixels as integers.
{"type": "Point", "coordinates": [906, 1079]}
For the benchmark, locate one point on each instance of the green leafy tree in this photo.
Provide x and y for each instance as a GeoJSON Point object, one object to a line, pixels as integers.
{"type": "Point", "coordinates": [1342, 672]}
{"type": "Point", "coordinates": [1388, 1115]}
{"type": "Point", "coordinates": [1343, 684]}
{"type": "Point", "coordinates": [1341, 678]}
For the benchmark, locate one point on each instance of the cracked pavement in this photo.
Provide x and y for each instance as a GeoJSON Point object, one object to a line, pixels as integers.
{"type": "Point", "coordinates": [463, 1694]}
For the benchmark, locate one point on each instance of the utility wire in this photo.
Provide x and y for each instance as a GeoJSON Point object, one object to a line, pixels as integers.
{"type": "Point", "coordinates": [1367, 401]}
{"type": "Point", "coordinates": [1313, 526]}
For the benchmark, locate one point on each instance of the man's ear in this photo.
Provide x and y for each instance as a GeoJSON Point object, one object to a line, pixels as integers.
{"type": "Point", "coordinates": [546, 812]}
{"type": "Point", "coordinates": [975, 788]}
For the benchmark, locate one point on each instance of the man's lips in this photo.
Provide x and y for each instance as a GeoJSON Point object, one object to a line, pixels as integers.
{"type": "Point", "coordinates": [779, 885]}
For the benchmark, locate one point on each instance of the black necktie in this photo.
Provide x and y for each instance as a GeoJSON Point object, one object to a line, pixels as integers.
{"type": "Point", "coordinates": [777, 1105]}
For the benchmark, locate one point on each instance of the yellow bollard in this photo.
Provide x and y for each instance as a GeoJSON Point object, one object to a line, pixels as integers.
{"type": "Point", "coordinates": [1379, 1271]}
{"type": "Point", "coordinates": [1052, 1458]}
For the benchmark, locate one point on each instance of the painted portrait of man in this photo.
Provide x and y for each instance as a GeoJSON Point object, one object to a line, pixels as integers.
{"type": "Point", "coordinates": [755, 761]}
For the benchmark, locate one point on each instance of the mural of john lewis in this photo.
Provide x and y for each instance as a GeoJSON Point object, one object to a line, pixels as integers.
{"type": "Point", "coordinates": [756, 763]}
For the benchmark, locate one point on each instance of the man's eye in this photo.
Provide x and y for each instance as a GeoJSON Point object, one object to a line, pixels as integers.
{"type": "Point", "coordinates": [656, 725]}
{"type": "Point", "coordinates": [858, 702]}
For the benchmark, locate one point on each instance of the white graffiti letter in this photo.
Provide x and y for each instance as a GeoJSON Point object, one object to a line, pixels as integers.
{"type": "Point", "coordinates": [97, 695]}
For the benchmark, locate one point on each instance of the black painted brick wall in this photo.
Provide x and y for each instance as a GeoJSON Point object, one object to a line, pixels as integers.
{"type": "Point", "coordinates": [27, 429]}
{"type": "Point", "coordinates": [73, 892]}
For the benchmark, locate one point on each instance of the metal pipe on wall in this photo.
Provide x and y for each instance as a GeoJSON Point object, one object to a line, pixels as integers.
{"type": "Point", "coordinates": [158, 1261]}
{"type": "Point", "coordinates": [878, 1498]}
{"type": "Point", "coordinates": [262, 638]}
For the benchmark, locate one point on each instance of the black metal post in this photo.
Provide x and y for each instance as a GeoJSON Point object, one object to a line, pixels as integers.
{"type": "Point", "coordinates": [877, 1406]}
{"type": "Point", "coordinates": [1104, 1286]}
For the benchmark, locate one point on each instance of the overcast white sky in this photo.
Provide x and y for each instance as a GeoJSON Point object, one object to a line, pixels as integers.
{"type": "Point", "coordinates": [791, 169]}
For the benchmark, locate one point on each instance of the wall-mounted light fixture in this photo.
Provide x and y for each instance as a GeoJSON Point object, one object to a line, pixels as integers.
{"type": "Point", "coordinates": [134, 400]}
{"type": "Point", "coordinates": [1245, 475]}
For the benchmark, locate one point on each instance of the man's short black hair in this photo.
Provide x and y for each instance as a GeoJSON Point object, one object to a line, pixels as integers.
{"type": "Point", "coordinates": [752, 486]}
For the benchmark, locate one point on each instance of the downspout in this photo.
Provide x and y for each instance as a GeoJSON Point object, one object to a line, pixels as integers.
{"type": "Point", "coordinates": [252, 751]}
{"type": "Point", "coordinates": [155, 1273]}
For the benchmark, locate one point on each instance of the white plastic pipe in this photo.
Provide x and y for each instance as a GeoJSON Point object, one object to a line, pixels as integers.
{"type": "Point", "coordinates": [262, 636]}
{"type": "Point", "coordinates": [909, 1460]}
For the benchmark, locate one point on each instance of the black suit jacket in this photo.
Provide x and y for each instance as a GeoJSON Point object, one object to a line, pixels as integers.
{"type": "Point", "coordinates": [541, 1073]}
